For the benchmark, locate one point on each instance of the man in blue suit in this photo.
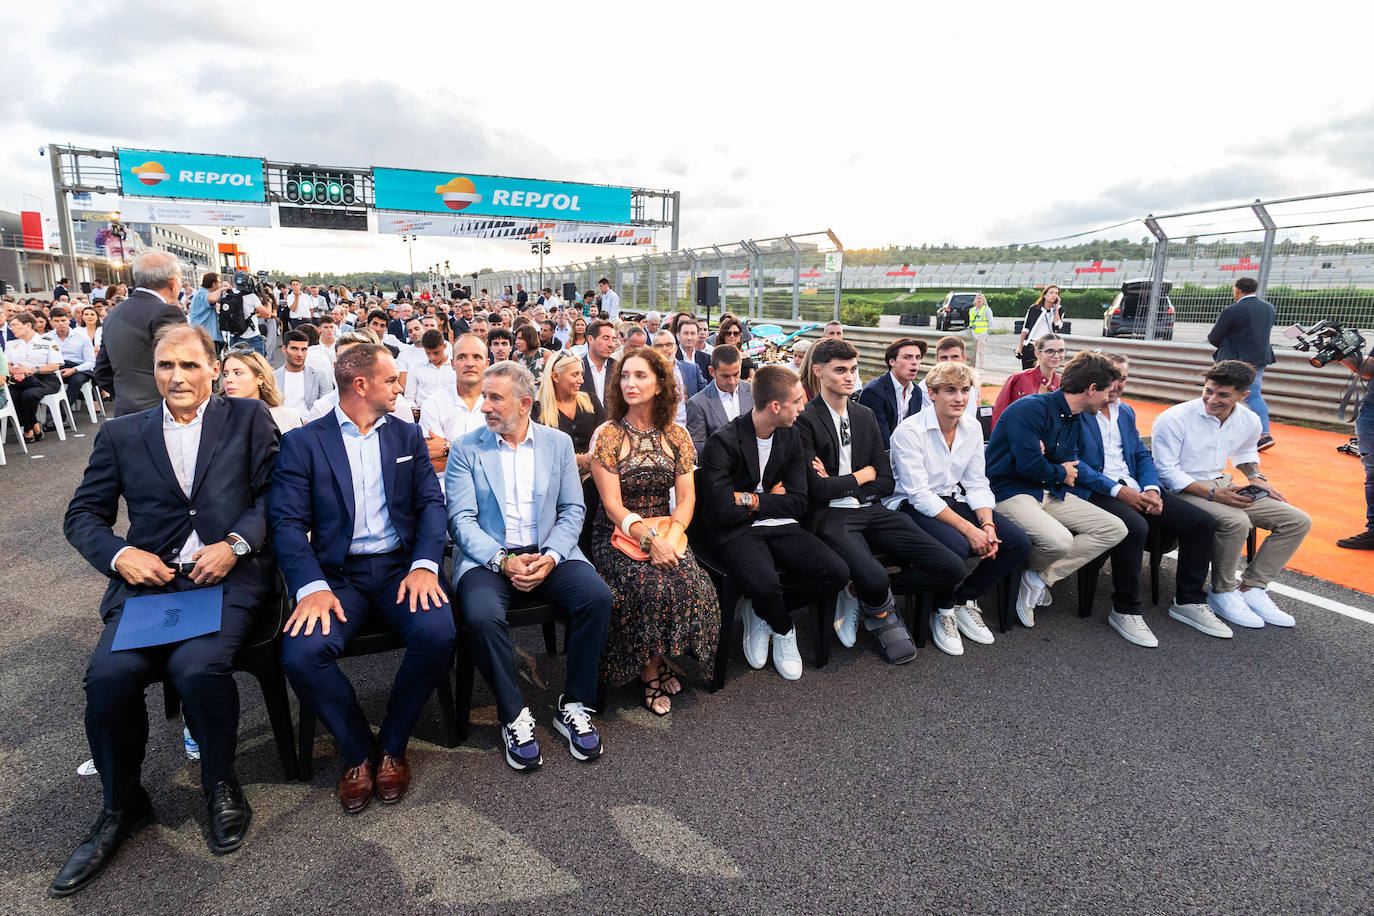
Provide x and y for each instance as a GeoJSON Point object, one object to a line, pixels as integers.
{"type": "Point", "coordinates": [1116, 472]}
{"type": "Point", "coordinates": [358, 527]}
{"type": "Point", "coordinates": [515, 513]}
{"type": "Point", "coordinates": [894, 395]}
{"type": "Point", "coordinates": [193, 473]}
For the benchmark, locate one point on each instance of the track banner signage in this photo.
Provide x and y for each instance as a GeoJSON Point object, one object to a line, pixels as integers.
{"type": "Point", "coordinates": [490, 195]}
{"type": "Point", "coordinates": [189, 213]}
{"type": "Point", "coordinates": [191, 176]}
{"type": "Point", "coordinates": [513, 229]}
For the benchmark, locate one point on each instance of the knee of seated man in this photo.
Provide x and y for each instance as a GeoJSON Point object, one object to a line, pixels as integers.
{"type": "Point", "coordinates": [301, 654]}
{"type": "Point", "coordinates": [433, 630]}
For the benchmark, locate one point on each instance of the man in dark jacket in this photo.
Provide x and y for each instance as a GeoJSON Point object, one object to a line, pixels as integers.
{"type": "Point", "coordinates": [755, 499]}
{"type": "Point", "coordinates": [124, 365]}
{"type": "Point", "coordinates": [848, 476]}
{"type": "Point", "coordinates": [1242, 332]}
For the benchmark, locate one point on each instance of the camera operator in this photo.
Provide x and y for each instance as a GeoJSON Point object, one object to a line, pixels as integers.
{"type": "Point", "coordinates": [1364, 430]}
{"type": "Point", "coordinates": [244, 333]}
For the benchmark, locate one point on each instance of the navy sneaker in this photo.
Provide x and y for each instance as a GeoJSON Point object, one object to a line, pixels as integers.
{"type": "Point", "coordinates": [522, 751]}
{"type": "Point", "coordinates": [574, 722]}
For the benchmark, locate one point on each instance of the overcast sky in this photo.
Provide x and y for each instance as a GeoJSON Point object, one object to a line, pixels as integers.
{"type": "Point", "coordinates": [888, 123]}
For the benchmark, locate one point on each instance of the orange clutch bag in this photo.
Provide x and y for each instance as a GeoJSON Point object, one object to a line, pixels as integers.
{"type": "Point", "coordinates": [630, 545]}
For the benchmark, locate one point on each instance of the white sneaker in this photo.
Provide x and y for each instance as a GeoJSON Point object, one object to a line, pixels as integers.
{"type": "Point", "coordinates": [1032, 589]}
{"type": "Point", "coordinates": [944, 630]}
{"type": "Point", "coordinates": [1231, 607]}
{"type": "Point", "coordinates": [970, 621]}
{"type": "Point", "coordinates": [756, 633]}
{"type": "Point", "coordinates": [1133, 629]}
{"type": "Point", "coordinates": [786, 658]}
{"type": "Point", "coordinates": [1258, 600]}
{"type": "Point", "coordinates": [1200, 618]}
{"type": "Point", "coordinates": [847, 618]}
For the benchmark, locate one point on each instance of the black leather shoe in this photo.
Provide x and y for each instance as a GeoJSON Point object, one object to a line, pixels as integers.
{"type": "Point", "coordinates": [95, 852]}
{"type": "Point", "coordinates": [229, 817]}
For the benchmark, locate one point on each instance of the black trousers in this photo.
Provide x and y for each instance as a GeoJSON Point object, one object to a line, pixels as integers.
{"type": "Point", "coordinates": [201, 669]}
{"type": "Point", "coordinates": [1011, 553]}
{"type": "Point", "coordinates": [755, 557]}
{"type": "Point", "coordinates": [74, 383]}
{"type": "Point", "coordinates": [28, 393]}
{"type": "Point", "coordinates": [1194, 529]}
{"type": "Point", "coordinates": [856, 534]}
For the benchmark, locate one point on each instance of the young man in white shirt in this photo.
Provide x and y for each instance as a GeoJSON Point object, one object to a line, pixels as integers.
{"type": "Point", "coordinates": [610, 302]}
{"type": "Point", "coordinates": [433, 377]}
{"type": "Point", "coordinates": [301, 305]}
{"type": "Point", "coordinates": [1192, 442]}
{"type": "Point", "coordinates": [937, 462]}
{"type": "Point", "coordinates": [78, 353]}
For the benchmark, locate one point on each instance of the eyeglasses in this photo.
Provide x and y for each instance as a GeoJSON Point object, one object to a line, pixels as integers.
{"type": "Point", "coordinates": [1054, 352]}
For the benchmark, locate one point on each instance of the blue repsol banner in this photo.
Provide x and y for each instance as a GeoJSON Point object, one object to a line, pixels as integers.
{"type": "Point", "coordinates": [192, 176]}
{"type": "Point", "coordinates": [489, 195]}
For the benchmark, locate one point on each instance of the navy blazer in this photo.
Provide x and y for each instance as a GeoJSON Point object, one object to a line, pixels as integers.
{"type": "Point", "coordinates": [1242, 331]}
{"type": "Point", "coordinates": [700, 357]}
{"type": "Point", "coordinates": [311, 506]}
{"type": "Point", "coordinates": [238, 449]}
{"type": "Point", "coordinates": [880, 396]}
{"type": "Point", "coordinates": [1091, 459]}
{"type": "Point", "coordinates": [692, 379]}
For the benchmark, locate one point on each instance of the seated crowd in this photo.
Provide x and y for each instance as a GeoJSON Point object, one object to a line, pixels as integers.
{"type": "Point", "coordinates": [427, 468]}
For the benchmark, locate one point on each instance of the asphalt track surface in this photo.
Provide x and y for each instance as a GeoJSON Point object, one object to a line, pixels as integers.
{"type": "Point", "coordinates": [1058, 770]}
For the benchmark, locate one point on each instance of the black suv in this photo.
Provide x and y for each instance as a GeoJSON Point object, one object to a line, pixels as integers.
{"type": "Point", "coordinates": [952, 314]}
{"type": "Point", "coordinates": [1127, 314]}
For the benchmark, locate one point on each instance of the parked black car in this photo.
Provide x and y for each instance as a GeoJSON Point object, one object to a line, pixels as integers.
{"type": "Point", "coordinates": [952, 314]}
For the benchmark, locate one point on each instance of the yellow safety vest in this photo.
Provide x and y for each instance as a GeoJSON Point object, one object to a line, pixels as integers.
{"type": "Point", "coordinates": [979, 319]}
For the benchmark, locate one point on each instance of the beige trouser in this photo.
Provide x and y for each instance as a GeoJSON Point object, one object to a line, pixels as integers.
{"type": "Point", "coordinates": [1287, 526]}
{"type": "Point", "coordinates": [1065, 533]}
{"type": "Point", "coordinates": [980, 350]}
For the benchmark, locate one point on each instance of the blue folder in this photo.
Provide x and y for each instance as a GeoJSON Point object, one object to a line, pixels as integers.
{"type": "Point", "coordinates": [168, 617]}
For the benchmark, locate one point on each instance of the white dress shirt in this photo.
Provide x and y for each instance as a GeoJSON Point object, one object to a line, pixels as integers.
{"type": "Point", "coordinates": [373, 532]}
{"type": "Point", "coordinates": [845, 465]}
{"type": "Point", "coordinates": [426, 381]}
{"type": "Point", "coordinates": [729, 403]}
{"type": "Point", "coordinates": [40, 350]}
{"type": "Point", "coordinates": [926, 469]}
{"type": "Point", "coordinates": [449, 416]}
{"type": "Point", "coordinates": [304, 307]}
{"type": "Point", "coordinates": [599, 378]}
{"type": "Point", "coordinates": [903, 396]}
{"type": "Point", "coordinates": [321, 359]}
{"type": "Point", "coordinates": [610, 304]}
{"type": "Point", "coordinates": [1190, 445]}
{"type": "Point", "coordinates": [517, 503]}
{"type": "Point", "coordinates": [1113, 452]}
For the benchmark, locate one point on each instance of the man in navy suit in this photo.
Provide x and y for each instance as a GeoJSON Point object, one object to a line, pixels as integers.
{"type": "Point", "coordinates": [515, 511]}
{"type": "Point", "coordinates": [1242, 332]}
{"type": "Point", "coordinates": [688, 334]}
{"type": "Point", "coordinates": [358, 527]}
{"type": "Point", "coordinates": [194, 473]}
{"type": "Point", "coordinates": [894, 395]}
{"type": "Point", "coordinates": [1116, 472]}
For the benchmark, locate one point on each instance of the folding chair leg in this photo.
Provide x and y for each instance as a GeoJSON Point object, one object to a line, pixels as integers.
{"type": "Point", "coordinates": [463, 690]}
{"type": "Point", "coordinates": [272, 680]}
{"type": "Point", "coordinates": [729, 596]}
{"type": "Point", "coordinates": [448, 714]}
{"type": "Point", "coordinates": [306, 747]}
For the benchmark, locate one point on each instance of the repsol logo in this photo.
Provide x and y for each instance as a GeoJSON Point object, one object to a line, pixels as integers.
{"type": "Point", "coordinates": [237, 179]}
{"type": "Point", "coordinates": [535, 200]}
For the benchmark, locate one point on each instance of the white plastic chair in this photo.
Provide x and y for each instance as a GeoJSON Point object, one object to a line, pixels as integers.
{"type": "Point", "coordinates": [53, 405]}
{"type": "Point", "coordinates": [7, 413]}
{"type": "Point", "coordinates": [92, 402]}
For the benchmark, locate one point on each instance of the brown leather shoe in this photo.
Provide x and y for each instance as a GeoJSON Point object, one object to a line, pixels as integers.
{"type": "Point", "coordinates": [393, 778]}
{"type": "Point", "coordinates": [355, 789]}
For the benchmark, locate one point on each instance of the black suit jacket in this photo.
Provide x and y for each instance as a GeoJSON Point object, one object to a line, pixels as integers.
{"type": "Point", "coordinates": [589, 387]}
{"type": "Point", "coordinates": [880, 396]}
{"type": "Point", "coordinates": [238, 450]}
{"type": "Point", "coordinates": [124, 364]}
{"type": "Point", "coordinates": [701, 359]}
{"type": "Point", "coordinates": [730, 462]}
{"type": "Point", "coordinates": [820, 439]}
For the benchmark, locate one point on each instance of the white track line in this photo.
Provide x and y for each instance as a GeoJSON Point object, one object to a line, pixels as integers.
{"type": "Point", "coordinates": [1327, 604]}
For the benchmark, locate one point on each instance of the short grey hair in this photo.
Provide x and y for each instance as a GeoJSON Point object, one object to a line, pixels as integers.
{"type": "Point", "coordinates": [663, 335]}
{"type": "Point", "coordinates": [521, 379]}
{"type": "Point", "coordinates": [155, 269]}
{"type": "Point", "coordinates": [653, 316]}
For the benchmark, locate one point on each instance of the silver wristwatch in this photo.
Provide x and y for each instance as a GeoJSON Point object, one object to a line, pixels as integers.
{"type": "Point", "coordinates": [239, 545]}
{"type": "Point", "coordinates": [498, 561]}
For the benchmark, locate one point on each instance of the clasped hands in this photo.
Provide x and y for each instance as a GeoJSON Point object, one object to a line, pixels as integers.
{"type": "Point", "coordinates": [144, 569]}
{"type": "Point", "coordinates": [527, 570]}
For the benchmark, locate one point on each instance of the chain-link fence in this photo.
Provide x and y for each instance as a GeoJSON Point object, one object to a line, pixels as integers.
{"type": "Point", "coordinates": [796, 277]}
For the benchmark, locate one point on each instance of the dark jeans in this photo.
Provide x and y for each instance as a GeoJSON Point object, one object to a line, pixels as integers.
{"type": "Point", "coordinates": [201, 670]}
{"type": "Point", "coordinates": [1011, 553]}
{"type": "Point", "coordinates": [1194, 529]}
{"type": "Point", "coordinates": [1364, 428]}
{"type": "Point", "coordinates": [485, 597]}
{"type": "Point", "coordinates": [74, 383]}
{"type": "Point", "coordinates": [369, 587]}
{"type": "Point", "coordinates": [755, 557]}
{"type": "Point", "coordinates": [856, 534]}
{"type": "Point", "coordinates": [28, 393]}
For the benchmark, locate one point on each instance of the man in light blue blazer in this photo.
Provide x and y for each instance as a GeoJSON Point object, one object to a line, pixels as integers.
{"type": "Point", "coordinates": [515, 512]}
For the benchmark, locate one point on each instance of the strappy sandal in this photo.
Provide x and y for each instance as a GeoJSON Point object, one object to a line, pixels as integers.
{"type": "Point", "coordinates": [666, 672]}
{"type": "Point", "coordinates": [653, 690]}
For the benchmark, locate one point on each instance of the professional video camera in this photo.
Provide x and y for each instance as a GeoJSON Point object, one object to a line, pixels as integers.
{"type": "Point", "coordinates": [1333, 342]}
{"type": "Point", "coordinates": [230, 306]}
